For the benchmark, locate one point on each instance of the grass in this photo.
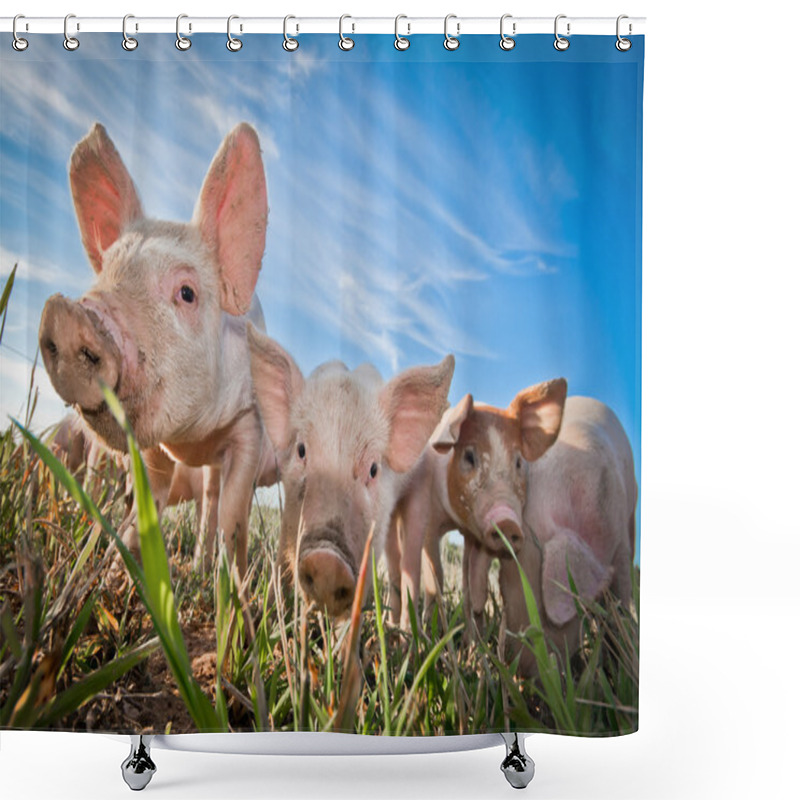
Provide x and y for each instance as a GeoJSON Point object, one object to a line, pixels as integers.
{"type": "Point", "coordinates": [167, 649]}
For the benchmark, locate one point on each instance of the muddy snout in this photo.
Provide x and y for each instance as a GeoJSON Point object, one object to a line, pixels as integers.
{"type": "Point", "coordinates": [77, 352]}
{"type": "Point", "coordinates": [326, 574]}
{"type": "Point", "coordinates": [510, 530]}
{"type": "Point", "coordinates": [506, 519]}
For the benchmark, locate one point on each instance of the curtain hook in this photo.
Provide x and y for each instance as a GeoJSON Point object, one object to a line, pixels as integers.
{"type": "Point", "coordinates": [623, 44]}
{"type": "Point", "coordinates": [181, 42]}
{"type": "Point", "coordinates": [19, 44]}
{"type": "Point", "coordinates": [233, 44]}
{"type": "Point", "coordinates": [561, 43]}
{"type": "Point", "coordinates": [451, 42]}
{"type": "Point", "coordinates": [507, 42]}
{"type": "Point", "coordinates": [345, 42]}
{"type": "Point", "coordinates": [401, 42]}
{"type": "Point", "coordinates": [289, 44]}
{"type": "Point", "coordinates": [70, 42]}
{"type": "Point", "coordinates": [128, 42]}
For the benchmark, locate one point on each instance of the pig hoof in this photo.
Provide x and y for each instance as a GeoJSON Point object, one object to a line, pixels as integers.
{"type": "Point", "coordinates": [518, 766]}
{"type": "Point", "coordinates": [138, 768]}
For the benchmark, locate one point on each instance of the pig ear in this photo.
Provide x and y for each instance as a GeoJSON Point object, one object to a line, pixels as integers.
{"type": "Point", "coordinates": [591, 578]}
{"type": "Point", "coordinates": [232, 216]}
{"type": "Point", "coordinates": [103, 193]}
{"type": "Point", "coordinates": [414, 402]}
{"type": "Point", "coordinates": [277, 382]}
{"type": "Point", "coordinates": [445, 436]}
{"type": "Point", "coordinates": [539, 409]}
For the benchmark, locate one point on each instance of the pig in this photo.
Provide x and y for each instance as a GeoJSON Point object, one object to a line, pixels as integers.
{"type": "Point", "coordinates": [581, 509]}
{"type": "Point", "coordinates": [344, 442]}
{"type": "Point", "coordinates": [82, 454]}
{"type": "Point", "coordinates": [164, 324]}
{"type": "Point", "coordinates": [471, 476]}
{"type": "Point", "coordinates": [579, 520]}
{"type": "Point", "coordinates": [90, 461]}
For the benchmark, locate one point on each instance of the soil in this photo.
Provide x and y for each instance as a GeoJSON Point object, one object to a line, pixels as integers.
{"type": "Point", "coordinates": [146, 700]}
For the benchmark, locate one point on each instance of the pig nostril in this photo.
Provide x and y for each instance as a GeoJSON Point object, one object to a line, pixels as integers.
{"type": "Point", "coordinates": [93, 358]}
{"type": "Point", "coordinates": [342, 593]}
{"type": "Point", "coordinates": [495, 536]}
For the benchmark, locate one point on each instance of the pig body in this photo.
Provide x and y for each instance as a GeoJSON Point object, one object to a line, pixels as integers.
{"type": "Point", "coordinates": [163, 325]}
{"type": "Point", "coordinates": [581, 508]}
{"type": "Point", "coordinates": [344, 441]}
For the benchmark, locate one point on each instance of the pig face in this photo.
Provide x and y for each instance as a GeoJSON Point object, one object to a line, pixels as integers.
{"type": "Point", "coordinates": [489, 449]}
{"type": "Point", "coordinates": [343, 440]}
{"type": "Point", "coordinates": [156, 325]}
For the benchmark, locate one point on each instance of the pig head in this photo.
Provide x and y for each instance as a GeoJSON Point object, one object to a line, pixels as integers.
{"type": "Point", "coordinates": [344, 441]}
{"type": "Point", "coordinates": [163, 323]}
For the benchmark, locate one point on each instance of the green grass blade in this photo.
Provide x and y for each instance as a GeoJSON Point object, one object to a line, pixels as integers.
{"type": "Point", "coordinates": [76, 695]}
{"type": "Point", "coordinates": [9, 285]}
{"type": "Point", "coordinates": [429, 661]}
{"type": "Point", "coordinates": [384, 677]}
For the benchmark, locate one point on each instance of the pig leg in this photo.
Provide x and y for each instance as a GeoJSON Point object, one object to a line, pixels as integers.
{"type": "Point", "coordinates": [240, 470]}
{"type": "Point", "coordinates": [209, 520]}
{"type": "Point", "coordinates": [393, 550]}
{"type": "Point", "coordinates": [415, 531]}
{"type": "Point", "coordinates": [432, 572]}
{"type": "Point", "coordinates": [476, 571]}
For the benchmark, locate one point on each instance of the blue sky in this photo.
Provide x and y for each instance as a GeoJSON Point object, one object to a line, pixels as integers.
{"type": "Point", "coordinates": [479, 202]}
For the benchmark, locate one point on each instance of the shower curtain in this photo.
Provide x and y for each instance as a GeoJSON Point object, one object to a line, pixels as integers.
{"type": "Point", "coordinates": [320, 384]}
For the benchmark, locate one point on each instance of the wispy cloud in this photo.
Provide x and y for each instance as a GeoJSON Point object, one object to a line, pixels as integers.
{"type": "Point", "coordinates": [44, 272]}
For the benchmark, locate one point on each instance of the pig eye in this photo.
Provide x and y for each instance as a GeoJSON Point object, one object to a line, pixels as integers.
{"type": "Point", "coordinates": [301, 450]}
{"type": "Point", "coordinates": [373, 470]}
{"type": "Point", "coordinates": [519, 462]}
{"type": "Point", "coordinates": [187, 294]}
{"type": "Point", "coordinates": [469, 456]}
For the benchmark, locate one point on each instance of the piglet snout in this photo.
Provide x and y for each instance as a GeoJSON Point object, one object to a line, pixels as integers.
{"type": "Point", "coordinates": [327, 580]}
{"type": "Point", "coordinates": [511, 531]}
{"type": "Point", "coordinates": [77, 352]}
{"type": "Point", "coordinates": [504, 518]}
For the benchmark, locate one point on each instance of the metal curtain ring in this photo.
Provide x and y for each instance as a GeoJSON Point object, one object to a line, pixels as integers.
{"type": "Point", "coordinates": [128, 42]}
{"type": "Point", "coordinates": [507, 42]}
{"type": "Point", "coordinates": [233, 44]}
{"type": "Point", "coordinates": [19, 44]}
{"type": "Point", "coordinates": [561, 43]}
{"type": "Point", "coordinates": [345, 42]}
{"type": "Point", "coordinates": [181, 42]}
{"type": "Point", "coordinates": [70, 42]}
{"type": "Point", "coordinates": [451, 42]}
{"type": "Point", "coordinates": [623, 44]}
{"type": "Point", "coordinates": [289, 44]}
{"type": "Point", "coordinates": [401, 42]}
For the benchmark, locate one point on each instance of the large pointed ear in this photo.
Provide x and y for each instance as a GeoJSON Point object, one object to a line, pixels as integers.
{"type": "Point", "coordinates": [414, 402]}
{"type": "Point", "coordinates": [103, 193]}
{"type": "Point", "coordinates": [591, 578]}
{"type": "Point", "coordinates": [539, 410]}
{"type": "Point", "coordinates": [277, 383]}
{"type": "Point", "coordinates": [231, 214]}
{"type": "Point", "coordinates": [446, 434]}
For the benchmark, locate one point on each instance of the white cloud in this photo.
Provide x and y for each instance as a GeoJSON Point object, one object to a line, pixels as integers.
{"type": "Point", "coordinates": [39, 271]}
{"type": "Point", "coordinates": [15, 378]}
